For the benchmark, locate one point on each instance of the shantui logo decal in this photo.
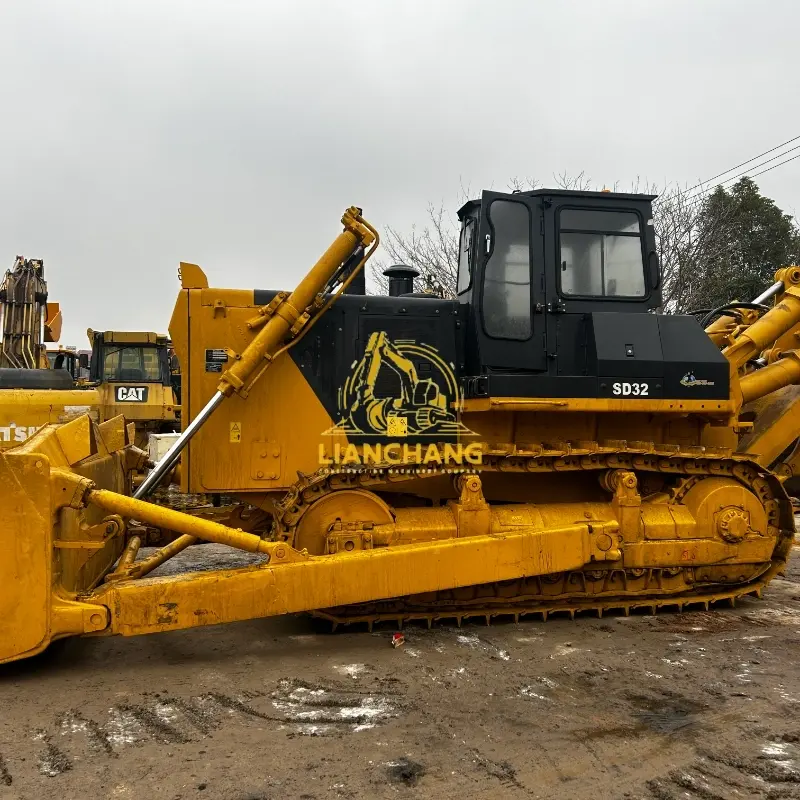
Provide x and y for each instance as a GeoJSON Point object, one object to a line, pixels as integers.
{"type": "Point", "coordinates": [385, 411]}
{"type": "Point", "coordinates": [689, 380]}
{"type": "Point", "coordinates": [17, 433]}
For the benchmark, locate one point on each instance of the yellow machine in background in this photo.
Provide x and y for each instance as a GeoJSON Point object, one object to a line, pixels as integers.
{"type": "Point", "coordinates": [74, 361]}
{"type": "Point", "coordinates": [585, 456]}
{"type": "Point", "coordinates": [31, 394]}
{"type": "Point", "coordinates": [132, 373]}
{"type": "Point", "coordinates": [29, 321]}
{"type": "Point", "coordinates": [770, 417]}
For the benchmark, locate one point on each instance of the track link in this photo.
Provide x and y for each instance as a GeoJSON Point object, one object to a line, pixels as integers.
{"type": "Point", "coordinates": [583, 591]}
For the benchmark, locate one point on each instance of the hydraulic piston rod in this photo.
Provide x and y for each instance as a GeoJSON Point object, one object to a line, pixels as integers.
{"type": "Point", "coordinates": [768, 294]}
{"type": "Point", "coordinates": [174, 453]}
{"type": "Point", "coordinates": [295, 313]}
{"type": "Point", "coordinates": [767, 329]}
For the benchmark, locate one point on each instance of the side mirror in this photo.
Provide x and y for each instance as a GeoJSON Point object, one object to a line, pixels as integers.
{"type": "Point", "coordinates": [83, 360]}
{"type": "Point", "coordinates": [655, 272]}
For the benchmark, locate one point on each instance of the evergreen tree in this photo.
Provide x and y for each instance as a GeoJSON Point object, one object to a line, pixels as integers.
{"type": "Point", "coordinates": [752, 239]}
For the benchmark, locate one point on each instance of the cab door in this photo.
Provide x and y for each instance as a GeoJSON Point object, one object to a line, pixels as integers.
{"type": "Point", "coordinates": [510, 292]}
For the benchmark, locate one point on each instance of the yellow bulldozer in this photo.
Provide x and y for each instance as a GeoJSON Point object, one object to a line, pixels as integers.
{"type": "Point", "coordinates": [132, 373]}
{"type": "Point", "coordinates": [128, 372]}
{"type": "Point", "coordinates": [542, 443]}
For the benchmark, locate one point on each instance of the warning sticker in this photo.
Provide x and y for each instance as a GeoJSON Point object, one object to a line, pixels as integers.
{"type": "Point", "coordinates": [236, 432]}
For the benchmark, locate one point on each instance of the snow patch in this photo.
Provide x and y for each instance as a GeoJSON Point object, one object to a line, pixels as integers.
{"type": "Point", "coordinates": [122, 727]}
{"type": "Point", "coordinates": [352, 670]}
{"type": "Point", "coordinates": [565, 650]}
{"type": "Point", "coordinates": [527, 691]}
{"type": "Point", "coordinates": [777, 751]}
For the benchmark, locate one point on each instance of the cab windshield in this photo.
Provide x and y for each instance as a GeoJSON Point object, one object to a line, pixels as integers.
{"type": "Point", "coordinates": [131, 363]}
{"type": "Point", "coordinates": [601, 254]}
{"type": "Point", "coordinates": [62, 360]}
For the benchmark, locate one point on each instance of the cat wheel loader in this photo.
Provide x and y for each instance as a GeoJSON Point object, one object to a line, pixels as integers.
{"type": "Point", "coordinates": [589, 459]}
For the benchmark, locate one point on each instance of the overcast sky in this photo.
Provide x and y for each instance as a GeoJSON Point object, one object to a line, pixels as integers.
{"type": "Point", "coordinates": [232, 134]}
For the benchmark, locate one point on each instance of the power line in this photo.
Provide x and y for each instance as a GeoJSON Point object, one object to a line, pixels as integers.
{"type": "Point", "coordinates": [746, 172]}
{"type": "Point", "coordinates": [754, 158]}
{"type": "Point", "coordinates": [776, 165]}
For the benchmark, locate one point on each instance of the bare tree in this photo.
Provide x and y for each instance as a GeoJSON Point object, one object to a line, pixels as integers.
{"type": "Point", "coordinates": [690, 235]}
{"type": "Point", "coordinates": [433, 250]}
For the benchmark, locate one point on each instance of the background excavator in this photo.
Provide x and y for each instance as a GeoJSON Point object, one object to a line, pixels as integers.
{"type": "Point", "coordinates": [125, 372]}
{"type": "Point", "coordinates": [609, 476]}
{"type": "Point", "coordinates": [31, 393]}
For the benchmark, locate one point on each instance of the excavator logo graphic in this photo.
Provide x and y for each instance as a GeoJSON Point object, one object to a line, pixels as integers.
{"type": "Point", "coordinates": [419, 407]}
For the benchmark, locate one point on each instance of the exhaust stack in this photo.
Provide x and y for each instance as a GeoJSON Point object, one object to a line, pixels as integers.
{"type": "Point", "coordinates": [401, 279]}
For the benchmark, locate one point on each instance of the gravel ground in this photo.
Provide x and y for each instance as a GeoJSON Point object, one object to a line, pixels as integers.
{"type": "Point", "coordinates": [696, 705]}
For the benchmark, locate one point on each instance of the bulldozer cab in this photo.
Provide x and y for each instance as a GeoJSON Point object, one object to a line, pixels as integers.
{"type": "Point", "coordinates": [558, 284]}
{"type": "Point", "coordinates": [69, 359]}
{"type": "Point", "coordinates": [531, 264]}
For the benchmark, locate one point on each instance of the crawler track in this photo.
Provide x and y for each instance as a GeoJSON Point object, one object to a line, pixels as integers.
{"type": "Point", "coordinates": [594, 591]}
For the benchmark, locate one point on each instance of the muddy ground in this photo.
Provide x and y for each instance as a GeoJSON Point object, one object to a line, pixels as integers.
{"type": "Point", "coordinates": [698, 705]}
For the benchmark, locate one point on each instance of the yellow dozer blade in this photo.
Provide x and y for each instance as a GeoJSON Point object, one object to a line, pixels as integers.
{"type": "Point", "coordinates": [50, 553]}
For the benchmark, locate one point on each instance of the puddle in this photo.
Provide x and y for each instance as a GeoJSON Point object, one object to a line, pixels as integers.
{"type": "Point", "coordinates": [777, 751]}
{"type": "Point", "coordinates": [667, 721]}
{"type": "Point", "coordinates": [666, 714]}
{"type": "Point", "coordinates": [404, 771]}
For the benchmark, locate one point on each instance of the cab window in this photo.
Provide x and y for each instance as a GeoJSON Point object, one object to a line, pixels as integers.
{"type": "Point", "coordinates": [465, 246]}
{"type": "Point", "coordinates": [131, 363]}
{"type": "Point", "coordinates": [506, 302]}
{"type": "Point", "coordinates": [601, 253]}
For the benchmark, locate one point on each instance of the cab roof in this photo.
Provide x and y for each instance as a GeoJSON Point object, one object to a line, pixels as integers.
{"type": "Point", "coordinates": [470, 205]}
